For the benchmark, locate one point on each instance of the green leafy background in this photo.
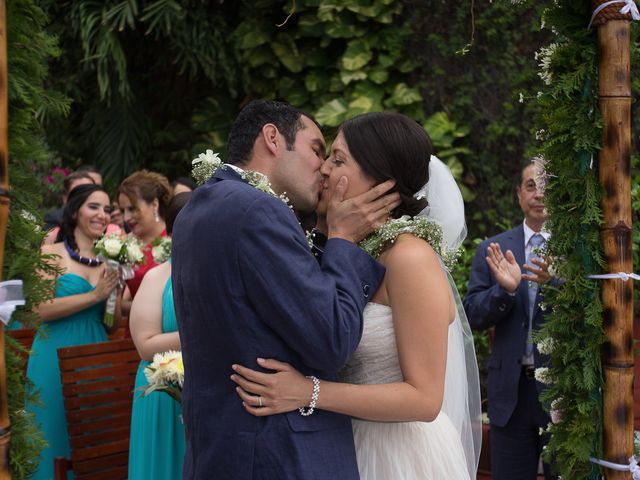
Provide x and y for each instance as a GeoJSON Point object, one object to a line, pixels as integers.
{"type": "Point", "coordinates": [130, 84]}
{"type": "Point", "coordinates": [154, 83]}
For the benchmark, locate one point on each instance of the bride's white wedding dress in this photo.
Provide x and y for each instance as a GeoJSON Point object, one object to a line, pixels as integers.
{"type": "Point", "coordinates": [402, 450]}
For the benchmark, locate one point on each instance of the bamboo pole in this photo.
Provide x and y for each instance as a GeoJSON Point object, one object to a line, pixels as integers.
{"type": "Point", "coordinates": [5, 425]}
{"type": "Point", "coordinates": [617, 295]}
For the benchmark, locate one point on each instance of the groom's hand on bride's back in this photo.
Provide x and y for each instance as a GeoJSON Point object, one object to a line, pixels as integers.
{"type": "Point", "coordinates": [355, 218]}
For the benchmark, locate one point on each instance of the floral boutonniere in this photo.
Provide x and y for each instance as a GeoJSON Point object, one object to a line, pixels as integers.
{"type": "Point", "coordinates": [203, 167]}
{"type": "Point", "coordinates": [207, 163]}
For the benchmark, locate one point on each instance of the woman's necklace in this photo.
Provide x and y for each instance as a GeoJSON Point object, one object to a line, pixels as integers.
{"type": "Point", "coordinates": [91, 262]}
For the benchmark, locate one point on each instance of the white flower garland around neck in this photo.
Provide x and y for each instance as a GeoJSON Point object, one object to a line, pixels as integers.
{"type": "Point", "coordinates": [421, 227]}
{"type": "Point", "coordinates": [207, 163]}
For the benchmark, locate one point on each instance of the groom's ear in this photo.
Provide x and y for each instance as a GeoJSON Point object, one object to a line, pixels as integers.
{"type": "Point", "coordinates": [271, 137]}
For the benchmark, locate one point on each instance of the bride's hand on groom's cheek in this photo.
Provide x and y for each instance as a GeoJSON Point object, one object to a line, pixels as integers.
{"type": "Point", "coordinates": [282, 391]}
{"type": "Point", "coordinates": [356, 217]}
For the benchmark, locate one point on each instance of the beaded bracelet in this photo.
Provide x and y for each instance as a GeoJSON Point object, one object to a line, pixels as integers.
{"type": "Point", "coordinates": [306, 411]}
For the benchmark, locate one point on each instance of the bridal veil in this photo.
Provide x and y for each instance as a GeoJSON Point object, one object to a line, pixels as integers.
{"type": "Point", "coordinates": [461, 400]}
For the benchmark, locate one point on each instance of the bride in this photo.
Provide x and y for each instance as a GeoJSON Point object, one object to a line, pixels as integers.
{"type": "Point", "coordinates": [411, 386]}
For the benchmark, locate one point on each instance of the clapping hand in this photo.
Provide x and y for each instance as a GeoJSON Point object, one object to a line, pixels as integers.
{"type": "Point", "coordinates": [539, 275]}
{"type": "Point", "coordinates": [505, 269]}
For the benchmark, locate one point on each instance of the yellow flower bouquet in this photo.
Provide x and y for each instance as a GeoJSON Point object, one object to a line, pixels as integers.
{"type": "Point", "coordinates": [165, 374]}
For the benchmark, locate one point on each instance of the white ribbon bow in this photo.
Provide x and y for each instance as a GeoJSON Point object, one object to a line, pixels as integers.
{"type": "Point", "coordinates": [11, 296]}
{"type": "Point", "coordinates": [633, 466]}
{"type": "Point", "coordinates": [629, 7]}
{"type": "Point", "coordinates": [624, 276]}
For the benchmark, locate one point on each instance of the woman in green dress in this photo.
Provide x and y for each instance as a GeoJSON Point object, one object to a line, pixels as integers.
{"type": "Point", "coordinates": [74, 316]}
{"type": "Point", "coordinates": [156, 448]}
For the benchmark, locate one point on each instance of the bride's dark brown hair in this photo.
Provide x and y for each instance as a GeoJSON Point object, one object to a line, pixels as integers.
{"type": "Point", "coordinates": [390, 145]}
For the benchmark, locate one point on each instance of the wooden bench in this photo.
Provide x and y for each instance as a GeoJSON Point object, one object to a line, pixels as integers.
{"type": "Point", "coordinates": [25, 337]}
{"type": "Point", "coordinates": [97, 385]}
{"type": "Point", "coordinates": [118, 334]}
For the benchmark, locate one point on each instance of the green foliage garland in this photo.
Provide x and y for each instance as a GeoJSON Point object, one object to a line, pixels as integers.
{"type": "Point", "coordinates": [26, 439]}
{"type": "Point", "coordinates": [29, 49]}
{"type": "Point", "coordinates": [570, 127]}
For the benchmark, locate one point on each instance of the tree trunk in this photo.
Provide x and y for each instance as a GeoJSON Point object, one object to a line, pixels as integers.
{"type": "Point", "coordinates": [617, 295]}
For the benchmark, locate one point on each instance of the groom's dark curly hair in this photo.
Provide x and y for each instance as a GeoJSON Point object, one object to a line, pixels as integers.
{"type": "Point", "coordinates": [250, 121]}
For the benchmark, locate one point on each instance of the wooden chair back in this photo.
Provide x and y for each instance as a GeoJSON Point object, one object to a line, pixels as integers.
{"type": "Point", "coordinates": [25, 337]}
{"type": "Point", "coordinates": [118, 334]}
{"type": "Point", "coordinates": [484, 467]}
{"type": "Point", "coordinates": [97, 385]}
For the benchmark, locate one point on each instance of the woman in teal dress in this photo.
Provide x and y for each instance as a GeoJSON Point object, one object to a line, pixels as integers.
{"type": "Point", "coordinates": [74, 316]}
{"type": "Point", "coordinates": [156, 448]}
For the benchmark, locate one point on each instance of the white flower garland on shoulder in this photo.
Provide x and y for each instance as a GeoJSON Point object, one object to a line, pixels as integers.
{"type": "Point", "coordinates": [421, 227]}
{"type": "Point", "coordinates": [207, 163]}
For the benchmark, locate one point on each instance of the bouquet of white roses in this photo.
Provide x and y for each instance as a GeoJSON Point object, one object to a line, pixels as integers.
{"type": "Point", "coordinates": [118, 253]}
{"type": "Point", "coordinates": [165, 374]}
{"type": "Point", "coordinates": [161, 249]}
{"type": "Point", "coordinates": [125, 251]}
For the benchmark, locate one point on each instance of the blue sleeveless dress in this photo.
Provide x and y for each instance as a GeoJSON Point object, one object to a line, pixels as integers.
{"type": "Point", "coordinates": [157, 445]}
{"type": "Point", "coordinates": [81, 328]}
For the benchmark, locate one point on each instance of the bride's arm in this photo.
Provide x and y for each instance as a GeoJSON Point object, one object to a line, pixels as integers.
{"type": "Point", "coordinates": [420, 297]}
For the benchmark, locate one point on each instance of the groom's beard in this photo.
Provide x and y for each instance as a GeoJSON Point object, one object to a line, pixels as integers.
{"type": "Point", "coordinates": [309, 220]}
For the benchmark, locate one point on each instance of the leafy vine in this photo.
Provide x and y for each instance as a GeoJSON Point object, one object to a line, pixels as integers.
{"type": "Point", "coordinates": [570, 127]}
{"type": "Point", "coordinates": [29, 48]}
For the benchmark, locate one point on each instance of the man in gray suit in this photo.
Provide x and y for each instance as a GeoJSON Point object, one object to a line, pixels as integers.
{"type": "Point", "coordinates": [503, 293]}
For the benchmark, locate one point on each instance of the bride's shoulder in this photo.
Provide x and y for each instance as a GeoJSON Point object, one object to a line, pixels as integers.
{"type": "Point", "coordinates": [409, 251]}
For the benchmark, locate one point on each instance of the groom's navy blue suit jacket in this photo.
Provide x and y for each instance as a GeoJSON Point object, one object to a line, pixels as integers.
{"type": "Point", "coordinates": [246, 286]}
{"type": "Point", "coordinates": [487, 304]}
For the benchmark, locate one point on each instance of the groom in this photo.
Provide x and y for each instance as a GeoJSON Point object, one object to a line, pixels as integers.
{"type": "Point", "coordinates": [246, 286]}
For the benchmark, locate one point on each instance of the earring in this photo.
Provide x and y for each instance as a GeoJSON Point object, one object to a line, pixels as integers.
{"type": "Point", "coordinates": [156, 216]}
